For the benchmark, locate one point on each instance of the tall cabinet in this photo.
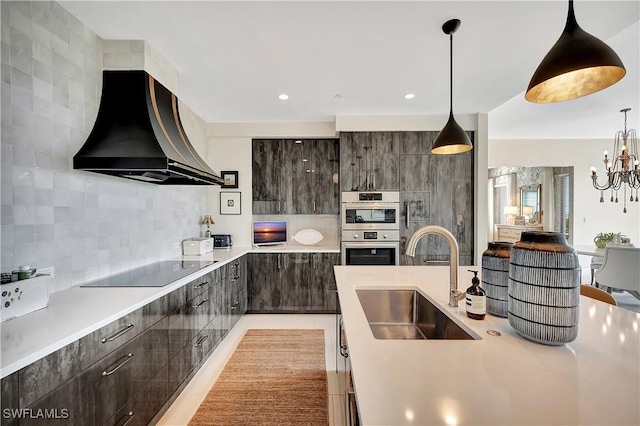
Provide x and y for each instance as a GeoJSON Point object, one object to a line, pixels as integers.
{"type": "Point", "coordinates": [295, 176]}
{"type": "Point", "coordinates": [434, 189]}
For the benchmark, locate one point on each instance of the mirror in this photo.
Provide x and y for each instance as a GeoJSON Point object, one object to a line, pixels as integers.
{"type": "Point", "coordinates": [530, 203]}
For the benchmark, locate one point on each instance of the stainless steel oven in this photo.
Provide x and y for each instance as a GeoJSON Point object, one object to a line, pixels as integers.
{"type": "Point", "coordinates": [370, 228]}
{"type": "Point", "coordinates": [370, 210]}
{"type": "Point", "coordinates": [371, 252]}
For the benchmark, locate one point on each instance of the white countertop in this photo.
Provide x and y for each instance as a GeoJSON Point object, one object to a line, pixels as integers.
{"type": "Point", "coordinates": [77, 312]}
{"type": "Point", "coordinates": [504, 380]}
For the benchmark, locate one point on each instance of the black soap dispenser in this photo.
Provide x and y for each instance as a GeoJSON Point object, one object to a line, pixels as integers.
{"type": "Point", "coordinates": [476, 299]}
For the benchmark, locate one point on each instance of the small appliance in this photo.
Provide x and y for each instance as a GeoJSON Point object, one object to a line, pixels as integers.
{"type": "Point", "coordinates": [222, 241]}
{"type": "Point", "coordinates": [197, 246]}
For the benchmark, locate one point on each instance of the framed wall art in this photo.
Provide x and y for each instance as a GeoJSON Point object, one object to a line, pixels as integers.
{"type": "Point", "coordinates": [230, 179]}
{"type": "Point", "coordinates": [230, 203]}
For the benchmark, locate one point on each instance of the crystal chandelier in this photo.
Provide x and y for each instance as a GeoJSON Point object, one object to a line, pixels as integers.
{"type": "Point", "coordinates": [624, 170]}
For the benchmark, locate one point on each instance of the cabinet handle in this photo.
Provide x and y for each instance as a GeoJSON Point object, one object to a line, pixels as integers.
{"type": "Point", "coordinates": [201, 285]}
{"type": "Point", "coordinates": [127, 358]}
{"type": "Point", "coordinates": [200, 304]}
{"type": "Point", "coordinates": [278, 206]}
{"type": "Point", "coordinates": [314, 261]}
{"type": "Point", "coordinates": [126, 419]}
{"type": "Point", "coordinates": [286, 260]}
{"type": "Point", "coordinates": [314, 206]}
{"type": "Point", "coordinates": [113, 337]}
{"type": "Point", "coordinates": [202, 339]}
{"type": "Point", "coordinates": [407, 218]}
{"type": "Point", "coordinates": [279, 266]}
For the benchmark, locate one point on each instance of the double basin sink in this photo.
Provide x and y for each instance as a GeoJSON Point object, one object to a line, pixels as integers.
{"type": "Point", "coordinates": [405, 314]}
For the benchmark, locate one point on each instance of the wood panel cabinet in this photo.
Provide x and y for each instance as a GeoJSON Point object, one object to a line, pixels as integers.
{"type": "Point", "coordinates": [435, 190]}
{"type": "Point", "coordinates": [322, 282]}
{"type": "Point", "coordinates": [132, 369]}
{"type": "Point", "coordinates": [292, 282]}
{"type": "Point", "coordinates": [295, 176]}
{"type": "Point", "coordinates": [369, 161]}
{"type": "Point", "coordinates": [270, 191]}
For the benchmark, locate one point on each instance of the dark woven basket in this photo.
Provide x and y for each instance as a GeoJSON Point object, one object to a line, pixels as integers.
{"type": "Point", "coordinates": [495, 276]}
{"type": "Point", "coordinates": [544, 288]}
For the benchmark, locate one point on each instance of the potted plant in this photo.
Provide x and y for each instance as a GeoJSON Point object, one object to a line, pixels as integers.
{"type": "Point", "coordinates": [603, 238]}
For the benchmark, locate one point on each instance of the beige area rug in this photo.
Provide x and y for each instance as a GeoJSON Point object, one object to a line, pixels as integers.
{"type": "Point", "coordinates": [275, 377]}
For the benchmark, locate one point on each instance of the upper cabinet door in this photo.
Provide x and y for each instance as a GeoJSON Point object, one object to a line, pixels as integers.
{"type": "Point", "coordinates": [271, 194]}
{"type": "Point", "coordinates": [295, 176]}
{"type": "Point", "coordinates": [326, 169]}
{"type": "Point", "coordinates": [369, 161]}
{"type": "Point", "coordinates": [299, 158]}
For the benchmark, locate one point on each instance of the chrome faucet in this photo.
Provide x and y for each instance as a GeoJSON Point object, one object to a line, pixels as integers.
{"type": "Point", "coordinates": [454, 294]}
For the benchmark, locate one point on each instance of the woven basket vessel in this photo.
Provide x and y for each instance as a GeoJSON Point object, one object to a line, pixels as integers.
{"type": "Point", "coordinates": [544, 288]}
{"type": "Point", "coordinates": [495, 276]}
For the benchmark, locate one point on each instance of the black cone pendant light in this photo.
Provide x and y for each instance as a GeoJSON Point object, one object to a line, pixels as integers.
{"type": "Point", "coordinates": [452, 139]}
{"type": "Point", "coordinates": [579, 64]}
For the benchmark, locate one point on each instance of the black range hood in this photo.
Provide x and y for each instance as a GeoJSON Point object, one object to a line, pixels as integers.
{"type": "Point", "coordinates": [138, 135]}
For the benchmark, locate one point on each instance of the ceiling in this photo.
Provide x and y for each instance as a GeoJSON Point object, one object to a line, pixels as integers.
{"type": "Point", "coordinates": [360, 58]}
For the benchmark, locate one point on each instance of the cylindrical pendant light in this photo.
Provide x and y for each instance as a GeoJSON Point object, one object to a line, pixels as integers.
{"type": "Point", "coordinates": [579, 64]}
{"type": "Point", "coordinates": [452, 139]}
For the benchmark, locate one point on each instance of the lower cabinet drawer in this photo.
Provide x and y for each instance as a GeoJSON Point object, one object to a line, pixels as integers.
{"type": "Point", "coordinates": [139, 410]}
{"type": "Point", "coordinates": [119, 376]}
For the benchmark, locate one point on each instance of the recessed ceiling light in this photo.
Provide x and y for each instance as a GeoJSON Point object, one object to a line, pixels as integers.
{"type": "Point", "coordinates": [409, 96]}
{"type": "Point", "coordinates": [283, 96]}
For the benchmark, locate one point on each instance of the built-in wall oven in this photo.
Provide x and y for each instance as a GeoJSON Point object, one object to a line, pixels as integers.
{"type": "Point", "coordinates": [370, 228]}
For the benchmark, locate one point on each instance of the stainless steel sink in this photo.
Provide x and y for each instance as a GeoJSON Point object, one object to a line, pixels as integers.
{"type": "Point", "coordinates": [407, 315]}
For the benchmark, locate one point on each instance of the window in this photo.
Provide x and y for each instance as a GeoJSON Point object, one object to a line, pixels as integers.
{"type": "Point", "coordinates": [562, 205]}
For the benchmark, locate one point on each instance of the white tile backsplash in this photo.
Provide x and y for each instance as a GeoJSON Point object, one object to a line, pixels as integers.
{"type": "Point", "coordinates": [85, 224]}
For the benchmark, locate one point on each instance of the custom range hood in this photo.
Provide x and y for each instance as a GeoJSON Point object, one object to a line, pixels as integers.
{"type": "Point", "coordinates": [138, 135]}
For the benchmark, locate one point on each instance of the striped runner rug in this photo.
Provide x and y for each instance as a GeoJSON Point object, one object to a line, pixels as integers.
{"type": "Point", "coordinates": [274, 377]}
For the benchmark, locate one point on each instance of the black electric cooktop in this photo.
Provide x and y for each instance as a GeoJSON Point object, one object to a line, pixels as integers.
{"type": "Point", "coordinates": [156, 274]}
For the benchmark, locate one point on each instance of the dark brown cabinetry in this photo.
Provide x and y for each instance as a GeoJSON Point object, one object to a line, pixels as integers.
{"type": "Point", "coordinates": [434, 189]}
{"type": "Point", "coordinates": [292, 282]}
{"type": "Point", "coordinates": [295, 176]}
{"type": "Point", "coordinates": [369, 161]}
{"type": "Point", "coordinates": [133, 368]}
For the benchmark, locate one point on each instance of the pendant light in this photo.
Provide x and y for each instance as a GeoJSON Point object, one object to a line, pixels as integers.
{"type": "Point", "coordinates": [452, 139]}
{"type": "Point", "coordinates": [579, 64]}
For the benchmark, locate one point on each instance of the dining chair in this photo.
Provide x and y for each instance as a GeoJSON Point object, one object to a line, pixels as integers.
{"type": "Point", "coordinates": [596, 293]}
{"type": "Point", "coordinates": [596, 263]}
{"type": "Point", "coordinates": [620, 269]}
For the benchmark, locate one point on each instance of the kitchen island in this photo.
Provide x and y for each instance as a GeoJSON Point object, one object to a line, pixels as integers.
{"type": "Point", "coordinates": [505, 379]}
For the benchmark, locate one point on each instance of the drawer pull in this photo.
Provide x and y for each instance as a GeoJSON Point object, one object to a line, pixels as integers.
{"type": "Point", "coordinates": [126, 329]}
{"type": "Point", "coordinates": [201, 340]}
{"type": "Point", "coordinates": [126, 419]}
{"type": "Point", "coordinates": [127, 358]}
{"type": "Point", "coordinates": [200, 304]}
{"type": "Point", "coordinates": [202, 284]}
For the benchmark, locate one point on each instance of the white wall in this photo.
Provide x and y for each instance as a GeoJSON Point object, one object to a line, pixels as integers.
{"type": "Point", "coordinates": [85, 224]}
{"type": "Point", "coordinates": [589, 215]}
{"type": "Point", "coordinates": [229, 153]}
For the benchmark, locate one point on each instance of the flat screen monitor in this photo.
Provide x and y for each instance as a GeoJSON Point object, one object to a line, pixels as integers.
{"type": "Point", "coordinates": [269, 232]}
